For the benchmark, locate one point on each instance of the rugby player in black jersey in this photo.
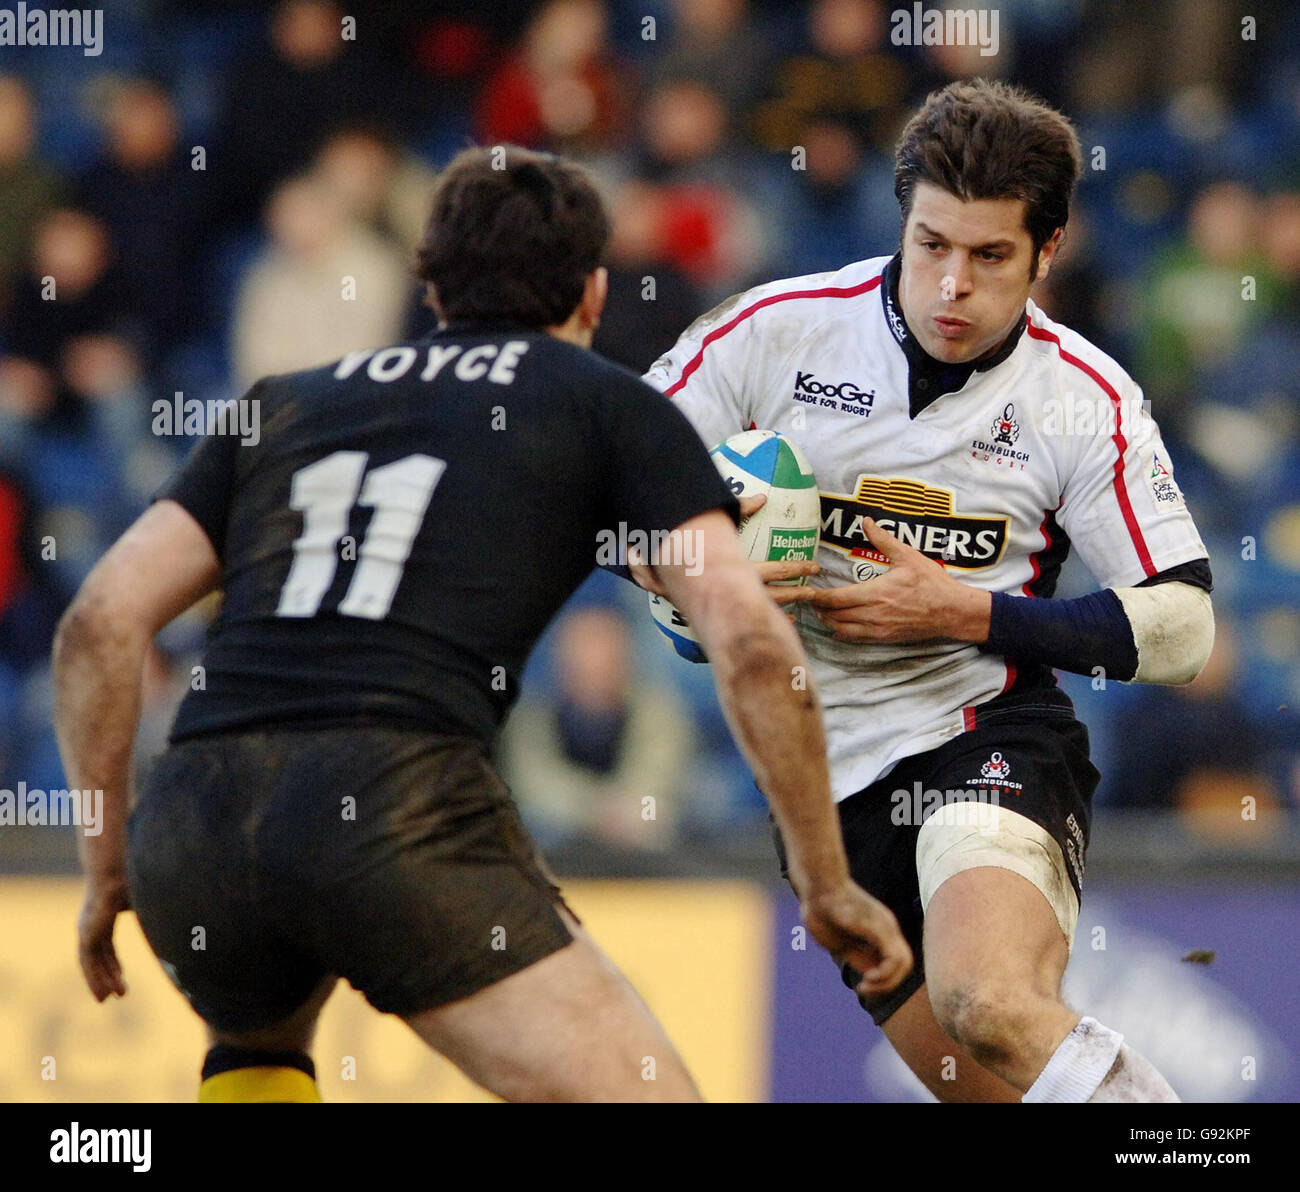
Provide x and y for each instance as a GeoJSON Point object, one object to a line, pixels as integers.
{"type": "Point", "coordinates": [389, 551]}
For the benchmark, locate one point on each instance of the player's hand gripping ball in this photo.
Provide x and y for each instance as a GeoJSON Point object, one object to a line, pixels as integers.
{"type": "Point", "coordinates": [758, 463]}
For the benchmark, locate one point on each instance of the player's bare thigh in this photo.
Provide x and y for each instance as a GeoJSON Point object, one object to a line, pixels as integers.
{"type": "Point", "coordinates": [568, 1028]}
{"type": "Point", "coordinates": [940, 1063]}
{"type": "Point", "coordinates": [995, 928]}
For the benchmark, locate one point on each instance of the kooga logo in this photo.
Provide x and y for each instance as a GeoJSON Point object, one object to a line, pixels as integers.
{"type": "Point", "coordinates": [844, 395]}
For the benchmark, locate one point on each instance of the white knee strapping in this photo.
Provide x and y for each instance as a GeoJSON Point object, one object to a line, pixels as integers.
{"type": "Point", "coordinates": [961, 836]}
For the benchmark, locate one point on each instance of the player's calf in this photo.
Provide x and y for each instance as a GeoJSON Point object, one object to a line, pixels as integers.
{"type": "Point", "coordinates": [939, 1061]}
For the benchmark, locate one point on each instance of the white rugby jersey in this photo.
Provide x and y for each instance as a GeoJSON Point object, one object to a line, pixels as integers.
{"type": "Point", "coordinates": [1044, 446]}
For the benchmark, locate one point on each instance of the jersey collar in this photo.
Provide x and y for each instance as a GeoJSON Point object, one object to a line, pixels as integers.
{"type": "Point", "coordinates": [928, 378]}
{"type": "Point", "coordinates": [484, 325]}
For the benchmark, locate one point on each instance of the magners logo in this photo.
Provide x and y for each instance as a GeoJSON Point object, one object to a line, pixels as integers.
{"type": "Point", "coordinates": [919, 515]}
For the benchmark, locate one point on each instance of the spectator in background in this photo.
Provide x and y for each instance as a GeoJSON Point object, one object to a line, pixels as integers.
{"type": "Point", "coordinates": [561, 89]}
{"type": "Point", "coordinates": [838, 206]}
{"type": "Point", "coordinates": [650, 299]}
{"type": "Point", "coordinates": [715, 42]}
{"type": "Point", "coordinates": [1195, 314]}
{"type": "Point", "coordinates": [1198, 751]}
{"type": "Point", "coordinates": [848, 67]}
{"type": "Point", "coordinates": [71, 405]}
{"type": "Point", "coordinates": [69, 291]}
{"type": "Point", "coordinates": [1245, 417]}
{"type": "Point", "coordinates": [1139, 55]}
{"type": "Point", "coordinates": [143, 190]}
{"type": "Point", "coordinates": [684, 134]}
{"type": "Point", "coordinates": [325, 286]}
{"type": "Point", "coordinates": [601, 757]}
{"type": "Point", "coordinates": [711, 230]}
{"type": "Point", "coordinates": [381, 186]}
{"type": "Point", "coordinates": [385, 190]}
{"type": "Point", "coordinates": [281, 105]}
{"type": "Point", "coordinates": [29, 188]}
{"type": "Point", "coordinates": [23, 638]}
{"type": "Point", "coordinates": [1280, 220]}
{"type": "Point", "coordinates": [70, 364]}
{"type": "Point", "coordinates": [451, 54]}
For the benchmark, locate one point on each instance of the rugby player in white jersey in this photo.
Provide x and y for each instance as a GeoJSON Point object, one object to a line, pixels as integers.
{"type": "Point", "coordinates": [963, 441]}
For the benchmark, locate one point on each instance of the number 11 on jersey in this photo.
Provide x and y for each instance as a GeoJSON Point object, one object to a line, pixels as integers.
{"type": "Point", "coordinates": [325, 493]}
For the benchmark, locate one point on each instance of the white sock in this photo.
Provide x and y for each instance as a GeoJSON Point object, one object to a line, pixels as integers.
{"type": "Point", "coordinates": [1093, 1063]}
{"type": "Point", "coordinates": [1078, 1066]}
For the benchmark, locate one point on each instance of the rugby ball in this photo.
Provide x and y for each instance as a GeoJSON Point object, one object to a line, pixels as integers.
{"type": "Point", "coordinates": [757, 463]}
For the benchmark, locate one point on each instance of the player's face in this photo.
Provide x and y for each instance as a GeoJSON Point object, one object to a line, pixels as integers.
{"type": "Point", "coordinates": [966, 269]}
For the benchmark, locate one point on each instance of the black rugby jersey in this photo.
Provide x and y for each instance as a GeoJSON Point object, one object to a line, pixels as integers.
{"type": "Point", "coordinates": [410, 519]}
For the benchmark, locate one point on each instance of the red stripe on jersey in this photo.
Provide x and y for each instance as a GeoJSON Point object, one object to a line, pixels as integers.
{"type": "Point", "coordinates": [968, 719]}
{"type": "Point", "coordinates": [1027, 587]}
{"type": "Point", "coordinates": [1121, 445]}
{"type": "Point", "coordinates": [1011, 677]}
{"type": "Point", "coordinates": [718, 332]}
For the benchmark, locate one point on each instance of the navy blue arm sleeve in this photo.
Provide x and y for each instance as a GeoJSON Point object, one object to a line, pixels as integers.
{"type": "Point", "coordinates": [1081, 634]}
{"type": "Point", "coordinates": [1074, 635]}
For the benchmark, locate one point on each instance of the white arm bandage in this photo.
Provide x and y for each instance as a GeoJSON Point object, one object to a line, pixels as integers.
{"type": "Point", "coordinates": [1173, 627]}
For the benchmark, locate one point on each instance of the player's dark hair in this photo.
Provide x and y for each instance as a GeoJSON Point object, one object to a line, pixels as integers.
{"type": "Point", "coordinates": [513, 234]}
{"type": "Point", "coordinates": [978, 139]}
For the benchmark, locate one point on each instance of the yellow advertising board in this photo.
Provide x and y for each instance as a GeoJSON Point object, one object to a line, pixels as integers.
{"type": "Point", "coordinates": [696, 951]}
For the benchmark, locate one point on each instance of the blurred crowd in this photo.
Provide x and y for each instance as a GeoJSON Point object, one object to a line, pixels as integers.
{"type": "Point", "coordinates": [233, 189]}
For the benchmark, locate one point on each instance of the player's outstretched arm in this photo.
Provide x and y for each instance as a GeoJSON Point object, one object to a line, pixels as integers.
{"type": "Point", "coordinates": [156, 570]}
{"type": "Point", "coordinates": [766, 692]}
{"type": "Point", "coordinates": [1161, 631]}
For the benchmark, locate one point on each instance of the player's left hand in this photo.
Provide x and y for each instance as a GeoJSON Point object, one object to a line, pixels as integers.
{"type": "Point", "coordinates": [915, 600]}
{"type": "Point", "coordinates": [99, 963]}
